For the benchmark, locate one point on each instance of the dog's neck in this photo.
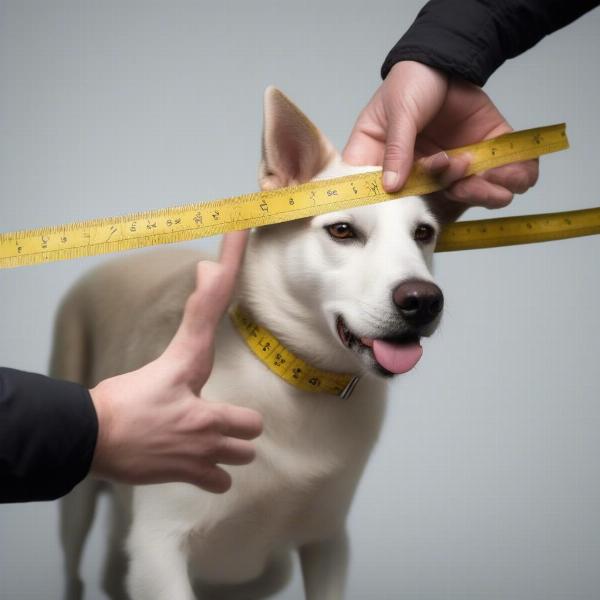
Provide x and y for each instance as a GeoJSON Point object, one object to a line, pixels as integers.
{"type": "Point", "coordinates": [292, 318]}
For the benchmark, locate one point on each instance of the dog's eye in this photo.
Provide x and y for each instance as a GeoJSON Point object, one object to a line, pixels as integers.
{"type": "Point", "coordinates": [424, 233]}
{"type": "Point", "coordinates": [341, 231]}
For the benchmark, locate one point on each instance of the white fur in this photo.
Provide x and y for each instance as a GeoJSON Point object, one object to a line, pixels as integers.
{"type": "Point", "coordinates": [296, 494]}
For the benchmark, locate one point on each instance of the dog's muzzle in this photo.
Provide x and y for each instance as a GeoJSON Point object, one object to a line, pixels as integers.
{"type": "Point", "coordinates": [419, 303]}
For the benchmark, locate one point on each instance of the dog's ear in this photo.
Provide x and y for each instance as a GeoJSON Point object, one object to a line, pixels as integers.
{"type": "Point", "coordinates": [293, 148]}
{"type": "Point", "coordinates": [445, 210]}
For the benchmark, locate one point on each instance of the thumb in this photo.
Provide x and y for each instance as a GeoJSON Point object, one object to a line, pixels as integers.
{"type": "Point", "coordinates": [399, 149]}
{"type": "Point", "coordinates": [192, 346]}
{"type": "Point", "coordinates": [231, 257]}
{"type": "Point", "coordinates": [215, 282]}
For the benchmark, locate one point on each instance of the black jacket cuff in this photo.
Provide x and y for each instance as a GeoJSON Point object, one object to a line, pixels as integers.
{"type": "Point", "coordinates": [472, 38]}
{"type": "Point", "coordinates": [48, 433]}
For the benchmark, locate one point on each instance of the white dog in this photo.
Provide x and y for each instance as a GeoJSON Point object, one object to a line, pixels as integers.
{"type": "Point", "coordinates": [347, 292]}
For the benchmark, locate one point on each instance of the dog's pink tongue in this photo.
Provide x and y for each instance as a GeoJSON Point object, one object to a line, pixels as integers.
{"type": "Point", "coordinates": [397, 358]}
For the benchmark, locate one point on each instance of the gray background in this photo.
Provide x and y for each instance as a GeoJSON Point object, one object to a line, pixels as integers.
{"type": "Point", "coordinates": [485, 484]}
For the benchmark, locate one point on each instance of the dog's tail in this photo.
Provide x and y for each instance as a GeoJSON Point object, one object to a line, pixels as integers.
{"type": "Point", "coordinates": [70, 360]}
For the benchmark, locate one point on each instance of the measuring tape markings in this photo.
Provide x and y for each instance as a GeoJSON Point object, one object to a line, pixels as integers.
{"type": "Point", "coordinates": [515, 147]}
{"type": "Point", "coordinates": [192, 221]}
{"type": "Point", "coordinates": [522, 229]}
{"type": "Point", "coordinates": [276, 357]}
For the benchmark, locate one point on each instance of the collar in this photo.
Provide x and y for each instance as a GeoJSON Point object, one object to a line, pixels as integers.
{"type": "Point", "coordinates": [267, 348]}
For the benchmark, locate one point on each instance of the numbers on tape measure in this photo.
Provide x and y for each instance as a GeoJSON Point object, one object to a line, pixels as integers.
{"type": "Point", "coordinates": [374, 188]}
{"type": "Point", "coordinates": [251, 210]}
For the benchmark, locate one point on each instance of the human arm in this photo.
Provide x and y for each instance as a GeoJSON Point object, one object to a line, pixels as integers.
{"type": "Point", "coordinates": [148, 426]}
{"type": "Point", "coordinates": [48, 431]}
{"type": "Point", "coordinates": [421, 108]}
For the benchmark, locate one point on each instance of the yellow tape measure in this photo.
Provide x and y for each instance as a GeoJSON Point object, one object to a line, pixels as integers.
{"type": "Point", "coordinates": [191, 221]}
{"type": "Point", "coordinates": [276, 357]}
{"type": "Point", "coordinates": [525, 229]}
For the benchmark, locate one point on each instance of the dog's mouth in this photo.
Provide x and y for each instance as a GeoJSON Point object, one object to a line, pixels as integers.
{"type": "Point", "coordinates": [394, 356]}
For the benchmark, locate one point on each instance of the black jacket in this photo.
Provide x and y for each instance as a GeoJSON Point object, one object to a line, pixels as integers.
{"type": "Point", "coordinates": [472, 38]}
{"type": "Point", "coordinates": [48, 431]}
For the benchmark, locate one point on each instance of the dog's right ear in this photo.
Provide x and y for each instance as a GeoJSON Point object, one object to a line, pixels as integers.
{"type": "Point", "coordinates": [293, 148]}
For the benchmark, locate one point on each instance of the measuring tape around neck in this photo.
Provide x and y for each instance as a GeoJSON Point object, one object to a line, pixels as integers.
{"type": "Point", "coordinates": [291, 368]}
{"type": "Point", "coordinates": [192, 221]}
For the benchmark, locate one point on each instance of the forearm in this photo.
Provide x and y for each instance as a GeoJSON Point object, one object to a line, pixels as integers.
{"type": "Point", "coordinates": [472, 38]}
{"type": "Point", "coordinates": [48, 431]}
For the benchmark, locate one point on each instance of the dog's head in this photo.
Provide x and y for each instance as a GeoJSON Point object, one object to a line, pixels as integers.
{"type": "Point", "coordinates": [354, 286]}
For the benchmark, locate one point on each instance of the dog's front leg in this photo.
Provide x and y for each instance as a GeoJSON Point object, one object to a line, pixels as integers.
{"type": "Point", "coordinates": [158, 568]}
{"type": "Point", "coordinates": [324, 567]}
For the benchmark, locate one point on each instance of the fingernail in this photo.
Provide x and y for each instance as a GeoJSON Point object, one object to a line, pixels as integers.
{"type": "Point", "coordinates": [436, 162]}
{"type": "Point", "coordinates": [439, 161]}
{"type": "Point", "coordinates": [390, 179]}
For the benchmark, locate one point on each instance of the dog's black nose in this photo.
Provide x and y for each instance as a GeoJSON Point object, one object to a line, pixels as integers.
{"type": "Point", "coordinates": [420, 302]}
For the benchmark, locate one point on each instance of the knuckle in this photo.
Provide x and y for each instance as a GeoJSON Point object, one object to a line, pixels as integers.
{"type": "Point", "coordinates": [394, 151]}
{"type": "Point", "coordinates": [219, 415]}
{"type": "Point", "coordinates": [203, 422]}
{"type": "Point", "coordinates": [406, 106]}
{"type": "Point", "coordinates": [210, 447]}
{"type": "Point", "coordinates": [207, 421]}
{"type": "Point", "coordinates": [211, 450]}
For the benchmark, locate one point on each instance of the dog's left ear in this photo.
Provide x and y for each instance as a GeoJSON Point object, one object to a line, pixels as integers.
{"type": "Point", "coordinates": [445, 210]}
{"type": "Point", "coordinates": [293, 148]}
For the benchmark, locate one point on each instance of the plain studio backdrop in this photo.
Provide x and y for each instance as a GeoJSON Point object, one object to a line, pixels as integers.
{"type": "Point", "coordinates": [486, 481]}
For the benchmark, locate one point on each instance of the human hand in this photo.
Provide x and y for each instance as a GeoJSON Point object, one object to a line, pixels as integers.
{"type": "Point", "coordinates": [417, 113]}
{"type": "Point", "coordinates": [155, 426]}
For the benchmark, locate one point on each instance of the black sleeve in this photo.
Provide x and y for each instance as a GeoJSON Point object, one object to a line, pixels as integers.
{"type": "Point", "coordinates": [472, 38]}
{"type": "Point", "coordinates": [48, 432]}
